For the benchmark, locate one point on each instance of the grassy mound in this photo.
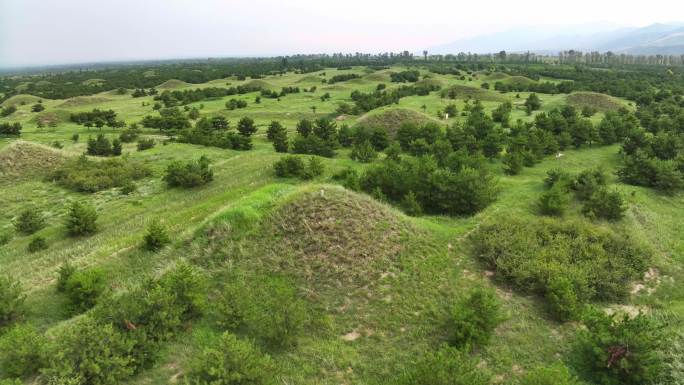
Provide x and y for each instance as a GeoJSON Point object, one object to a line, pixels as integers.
{"type": "Point", "coordinates": [52, 117]}
{"type": "Point", "coordinates": [378, 77]}
{"type": "Point", "coordinates": [467, 92]}
{"type": "Point", "coordinates": [336, 234]}
{"type": "Point", "coordinates": [601, 102]}
{"type": "Point", "coordinates": [430, 82]}
{"type": "Point", "coordinates": [496, 76]}
{"type": "Point", "coordinates": [21, 99]}
{"type": "Point", "coordinates": [93, 82]}
{"type": "Point", "coordinates": [309, 79]}
{"type": "Point", "coordinates": [172, 84]}
{"type": "Point", "coordinates": [519, 81]}
{"type": "Point", "coordinates": [258, 83]}
{"type": "Point", "coordinates": [391, 119]}
{"type": "Point", "coordinates": [22, 158]}
{"type": "Point", "coordinates": [83, 101]}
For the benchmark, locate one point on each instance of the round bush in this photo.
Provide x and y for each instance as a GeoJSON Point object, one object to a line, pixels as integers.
{"type": "Point", "coordinates": [231, 361]}
{"type": "Point", "coordinates": [22, 351]}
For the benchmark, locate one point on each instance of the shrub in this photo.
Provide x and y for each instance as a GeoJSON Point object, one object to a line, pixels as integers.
{"type": "Point", "coordinates": [128, 188]}
{"type": "Point", "coordinates": [620, 351]}
{"type": "Point", "coordinates": [190, 174]}
{"type": "Point", "coordinates": [189, 288]}
{"type": "Point", "coordinates": [314, 168]}
{"type": "Point", "coordinates": [156, 236]}
{"type": "Point", "coordinates": [474, 318]}
{"type": "Point", "coordinates": [410, 204]}
{"type": "Point", "coordinates": [554, 201]}
{"type": "Point", "coordinates": [588, 182]}
{"type": "Point", "coordinates": [38, 243]}
{"type": "Point", "coordinates": [231, 361]}
{"type": "Point", "coordinates": [145, 144]}
{"type": "Point", "coordinates": [22, 351]}
{"type": "Point", "coordinates": [363, 152]}
{"type": "Point", "coordinates": [84, 288]}
{"type": "Point", "coordinates": [29, 221]}
{"type": "Point", "coordinates": [446, 366]}
{"type": "Point", "coordinates": [313, 145]}
{"type": "Point", "coordinates": [533, 255]}
{"type": "Point", "coordinates": [268, 308]}
{"type": "Point", "coordinates": [289, 166]}
{"type": "Point", "coordinates": [129, 135]}
{"type": "Point", "coordinates": [101, 146]}
{"type": "Point", "coordinates": [513, 163]}
{"type": "Point", "coordinates": [10, 129]}
{"type": "Point", "coordinates": [246, 126]}
{"type": "Point", "coordinates": [5, 237]}
{"type": "Point", "coordinates": [604, 204]}
{"type": "Point", "coordinates": [65, 271]}
{"type": "Point", "coordinates": [11, 301]}
{"type": "Point", "coordinates": [553, 375]}
{"type": "Point", "coordinates": [81, 219]}
{"type": "Point", "coordinates": [88, 352]}
{"type": "Point", "coordinates": [85, 175]}
{"type": "Point", "coordinates": [348, 178]}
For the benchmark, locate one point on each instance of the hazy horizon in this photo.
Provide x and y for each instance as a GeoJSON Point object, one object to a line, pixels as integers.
{"type": "Point", "coordinates": [39, 33]}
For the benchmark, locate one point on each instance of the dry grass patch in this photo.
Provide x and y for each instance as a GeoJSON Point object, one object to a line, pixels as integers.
{"type": "Point", "coordinates": [24, 158]}
{"type": "Point", "coordinates": [391, 119]}
{"type": "Point", "coordinates": [601, 102]}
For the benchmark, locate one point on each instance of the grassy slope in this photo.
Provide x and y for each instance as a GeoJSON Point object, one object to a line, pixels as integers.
{"type": "Point", "coordinates": [395, 316]}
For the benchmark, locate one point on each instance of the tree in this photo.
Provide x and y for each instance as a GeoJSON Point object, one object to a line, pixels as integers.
{"type": "Point", "coordinates": [11, 301]}
{"type": "Point", "coordinates": [246, 127]}
{"type": "Point", "coordinates": [156, 236]}
{"type": "Point", "coordinates": [81, 219]}
{"type": "Point", "coordinates": [363, 152]}
{"type": "Point", "coordinates": [280, 143]}
{"type": "Point", "coordinates": [29, 221]}
{"type": "Point", "coordinates": [474, 318]}
{"type": "Point", "coordinates": [38, 107]}
{"type": "Point", "coordinates": [274, 129]}
{"type": "Point", "coordinates": [304, 127]}
{"type": "Point", "coordinates": [532, 103]}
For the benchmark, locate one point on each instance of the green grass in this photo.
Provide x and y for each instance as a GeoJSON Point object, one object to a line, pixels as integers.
{"type": "Point", "coordinates": [396, 303]}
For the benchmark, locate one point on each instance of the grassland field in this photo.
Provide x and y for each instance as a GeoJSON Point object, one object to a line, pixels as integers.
{"type": "Point", "coordinates": [390, 311]}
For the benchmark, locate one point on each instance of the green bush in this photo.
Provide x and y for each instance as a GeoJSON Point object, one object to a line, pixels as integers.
{"type": "Point", "coordinates": [348, 178]}
{"type": "Point", "coordinates": [267, 308]}
{"type": "Point", "coordinates": [88, 352]}
{"type": "Point", "coordinates": [189, 287]}
{"type": "Point", "coordinates": [293, 166]}
{"type": "Point", "coordinates": [533, 255]}
{"type": "Point", "coordinates": [231, 361]}
{"type": "Point", "coordinates": [81, 219]}
{"type": "Point", "coordinates": [85, 175]}
{"type": "Point", "coordinates": [314, 168]}
{"type": "Point", "coordinates": [37, 244]}
{"type": "Point", "coordinates": [11, 301]}
{"type": "Point", "coordinates": [446, 366]}
{"type": "Point", "coordinates": [29, 221]}
{"type": "Point", "coordinates": [410, 205]}
{"type": "Point", "coordinates": [22, 351]}
{"type": "Point", "coordinates": [473, 319]}
{"type": "Point", "coordinates": [84, 288]}
{"type": "Point", "coordinates": [190, 174]}
{"type": "Point", "coordinates": [5, 237]}
{"type": "Point", "coordinates": [128, 188]}
{"type": "Point", "coordinates": [156, 236]}
{"type": "Point", "coordinates": [513, 163]}
{"type": "Point", "coordinates": [553, 375]}
{"type": "Point", "coordinates": [554, 201]}
{"type": "Point", "coordinates": [145, 144]}
{"type": "Point", "coordinates": [63, 274]}
{"type": "Point", "coordinates": [588, 182]}
{"type": "Point", "coordinates": [364, 152]}
{"type": "Point", "coordinates": [604, 204]}
{"type": "Point", "coordinates": [614, 350]}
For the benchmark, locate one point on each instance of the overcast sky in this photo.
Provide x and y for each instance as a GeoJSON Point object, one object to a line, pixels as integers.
{"type": "Point", "coordinates": [36, 32]}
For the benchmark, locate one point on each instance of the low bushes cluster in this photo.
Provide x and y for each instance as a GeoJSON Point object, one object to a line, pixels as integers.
{"type": "Point", "coordinates": [569, 263]}
{"type": "Point", "coordinates": [84, 288]}
{"type": "Point", "coordinates": [588, 187]}
{"type": "Point", "coordinates": [156, 236]}
{"type": "Point", "coordinates": [145, 144]}
{"type": "Point", "coordinates": [229, 360]}
{"type": "Point", "coordinates": [292, 166]}
{"type": "Point", "coordinates": [85, 175]}
{"type": "Point", "coordinates": [446, 366]}
{"type": "Point", "coordinates": [10, 129]}
{"type": "Point", "coordinates": [620, 350]}
{"type": "Point", "coordinates": [457, 189]}
{"type": "Point", "coordinates": [268, 309]}
{"type": "Point", "coordinates": [22, 351]}
{"type": "Point", "coordinates": [189, 174]}
{"type": "Point", "coordinates": [122, 334]}
{"type": "Point", "coordinates": [37, 244]}
{"type": "Point", "coordinates": [101, 146]}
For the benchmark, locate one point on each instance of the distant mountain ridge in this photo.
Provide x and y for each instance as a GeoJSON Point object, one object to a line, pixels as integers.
{"type": "Point", "coordinates": [664, 39]}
